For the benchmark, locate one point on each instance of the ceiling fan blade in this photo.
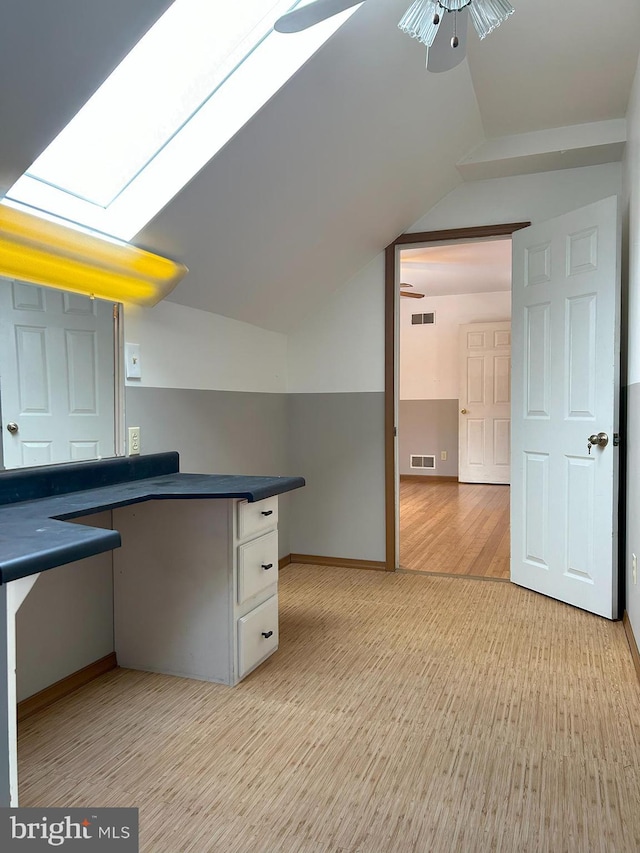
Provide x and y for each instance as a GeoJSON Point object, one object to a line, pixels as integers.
{"type": "Point", "coordinates": [441, 56]}
{"type": "Point", "coordinates": [307, 16]}
{"type": "Point", "coordinates": [412, 295]}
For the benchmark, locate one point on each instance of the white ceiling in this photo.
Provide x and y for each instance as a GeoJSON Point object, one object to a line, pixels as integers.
{"type": "Point", "coordinates": [352, 151]}
{"type": "Point", "coordinates": [482, 266]}
{"type": "Point", "coordinates": [556, 63]}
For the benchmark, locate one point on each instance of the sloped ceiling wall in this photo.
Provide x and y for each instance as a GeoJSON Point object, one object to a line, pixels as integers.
{"type": "Point", "coordinates": [353, 149]}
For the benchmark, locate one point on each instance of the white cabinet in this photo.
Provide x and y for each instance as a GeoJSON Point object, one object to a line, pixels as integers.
{"type": "Point", "coordinates": [196, 587]}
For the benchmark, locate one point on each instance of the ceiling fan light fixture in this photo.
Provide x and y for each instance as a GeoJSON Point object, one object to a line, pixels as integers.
{"type": "Point", "coordinates": [422, 19]}
{"type": "Point", "coordinates": [486, 15]}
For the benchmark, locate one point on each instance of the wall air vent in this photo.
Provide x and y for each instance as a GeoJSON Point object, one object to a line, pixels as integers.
{"type": "Point", "coordinates": [423, 461]}
{"type": "Point", "coordinates": [423, 319]}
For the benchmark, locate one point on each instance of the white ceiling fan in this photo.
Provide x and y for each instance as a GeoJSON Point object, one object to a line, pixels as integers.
{"type": "Point", "coordinates": [441, 25]}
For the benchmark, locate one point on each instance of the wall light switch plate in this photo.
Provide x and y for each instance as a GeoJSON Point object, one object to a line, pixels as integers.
{"type": "Point", "coordinates": [132, 361]}
{"type": "Point", "coordinates": [133, 434]}
{"type": "Point", "coordinates": [443, 455]}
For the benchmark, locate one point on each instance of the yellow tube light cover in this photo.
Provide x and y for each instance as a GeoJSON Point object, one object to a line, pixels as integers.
{"type": "Point", "coordinates": [43, 252]}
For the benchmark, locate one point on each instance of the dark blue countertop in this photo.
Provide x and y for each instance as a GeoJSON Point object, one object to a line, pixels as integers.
{"type": "Point", "coordinates": [37, 503]}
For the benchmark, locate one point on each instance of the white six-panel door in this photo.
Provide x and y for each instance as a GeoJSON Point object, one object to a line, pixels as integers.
{"type": "Point", "coordinates": [56, 375]}
{"type": "Point", "coordinates": [484, 436]}
{"type": "Point", "coordinates": [565, 388]}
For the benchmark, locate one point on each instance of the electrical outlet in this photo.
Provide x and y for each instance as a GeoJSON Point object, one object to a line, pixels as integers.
{"type": "Point", "coordinates": [634, 568]}
{"type": "Point", "coordinates": [443, 455]}
{"type": "Point", "coordinates": [134, 441]}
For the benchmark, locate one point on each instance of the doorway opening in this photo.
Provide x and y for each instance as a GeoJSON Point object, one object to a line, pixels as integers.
{"type": "Point", "coordinates": [454, 407]}
{"type": "Point", "coordinates": [443, 242]}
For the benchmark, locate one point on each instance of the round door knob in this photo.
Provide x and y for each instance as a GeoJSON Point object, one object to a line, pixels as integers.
{"type": "Point", "coordinates": [463, 411]}
{"type": "Point", "coordinates": [12, 427]}
{"type": "Point", "coordinates": [599, 440]}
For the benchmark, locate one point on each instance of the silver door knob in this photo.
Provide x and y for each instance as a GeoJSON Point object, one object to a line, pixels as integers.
{"type": "Point", "coordinates": [13, 428]}
{"type": "Point", "coordinates": [599, 440]}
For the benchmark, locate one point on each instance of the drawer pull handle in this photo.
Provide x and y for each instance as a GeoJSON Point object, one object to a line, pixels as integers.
{"type": "Point", "coordinates": [266, 566]}
{"type": "Point", "coordinates": [267, 512]}
{"type": "Point", "coordinates": [267, 634]}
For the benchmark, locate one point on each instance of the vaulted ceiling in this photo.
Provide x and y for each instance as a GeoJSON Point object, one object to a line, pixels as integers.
{"type": "Point", "coordinates": [351, 152]}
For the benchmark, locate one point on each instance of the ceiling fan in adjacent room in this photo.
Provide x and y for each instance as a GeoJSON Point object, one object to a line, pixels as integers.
{"type": "Point", "coordinates": [441, 25]}
{"type": "Point", "coordinates": [410, 293]}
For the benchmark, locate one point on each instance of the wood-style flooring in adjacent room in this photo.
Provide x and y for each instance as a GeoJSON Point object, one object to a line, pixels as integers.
{"type": "Point", "coordinates": [454, 528]}
{"type": "Point", "coordinates": [403, 713]}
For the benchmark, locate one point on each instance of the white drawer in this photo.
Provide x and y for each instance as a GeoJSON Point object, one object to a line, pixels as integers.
{"type": "Point", "coordinates": [257, 635]}
{"type": "Point", "coordinates": [258, 516]}
{"type": "Point", "coordinates": [257, 565]}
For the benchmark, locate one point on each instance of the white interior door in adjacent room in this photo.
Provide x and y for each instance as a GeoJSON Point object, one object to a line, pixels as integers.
{"type": "Point", "coordinates": [56, 375]}
{"type": "Point", "coordinates": [564, 494]}
{"type": "Point", "coordinates": [484, 443]}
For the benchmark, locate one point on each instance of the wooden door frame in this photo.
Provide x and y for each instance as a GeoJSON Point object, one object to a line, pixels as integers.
{"type": "Point", "coordinates": [390, 286]}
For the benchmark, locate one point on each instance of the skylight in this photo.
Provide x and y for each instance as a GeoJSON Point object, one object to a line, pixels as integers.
{"type": "Point", "coordinates": [185, 89]}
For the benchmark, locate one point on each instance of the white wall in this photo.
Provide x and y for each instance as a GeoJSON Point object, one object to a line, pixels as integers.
{"type": "Point", "coordinates": [340, 348]}
{"type": "Point", "coordinates": [631, 245]}
{"type": "Point", "coordinates": [429, 368]}
{"type": "Point", "coordinates": [183, 347]}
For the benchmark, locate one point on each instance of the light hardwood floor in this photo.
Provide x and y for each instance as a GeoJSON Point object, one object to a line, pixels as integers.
{"type": "Point", "coordinates": [454, 528]}
{"type": "Point", "coordinates": [403, 713]}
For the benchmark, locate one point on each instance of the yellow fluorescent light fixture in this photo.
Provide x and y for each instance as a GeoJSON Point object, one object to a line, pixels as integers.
{"type": "Point", "coordinates": [43, 252]}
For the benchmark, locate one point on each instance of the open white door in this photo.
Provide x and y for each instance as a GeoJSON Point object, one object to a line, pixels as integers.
{"type": "Point", "coordinates": [565, 324]}
{"type": "Point", "coordinates": [56, 375]}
